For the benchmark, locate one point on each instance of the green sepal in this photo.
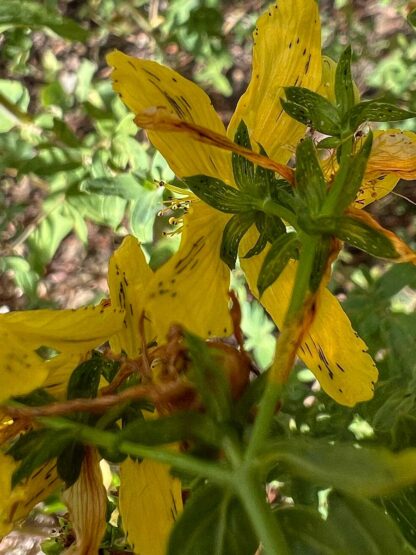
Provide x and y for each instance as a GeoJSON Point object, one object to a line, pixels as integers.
{"type": "Point", "coordinates": [320, 263]}
{"type": "Point", "coordinates": [243, 169]}
{"type": "Point", "coordinates": [219, 195]}
{"type": "Point", "coordinates": [364, 237]}
{"type": "Point", "coordinates": [262, 240]}
{"type": "Point", "coordinates": [312, 109]}
{"type": "Point", "coordinates": [276, 260]}
{"type": "Point", "coordinates": [347, 184]}
{"type": "Point", "coordinates": [344, 85]}
{"type": "Point", "coordinates": [234, 231]}
{"type": "Point", "coordinates": [69, 462]}
{"type": "Point", "coordinates": [310, 181]}
{"type": "Point", "coordinates": [374, 110]}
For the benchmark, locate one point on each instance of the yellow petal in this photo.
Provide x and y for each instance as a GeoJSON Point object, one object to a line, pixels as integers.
{"type": "Point", "coordinates": [287, 52]}
{"type": "Point", "coordinates": [393, 157]}
{"type": "Point", "coordinates": [59, 371]}
{"type": "Point", "coordinates": [332, 350]}
{"type": "Point", "coordinates": [128, 275]}
{"type": "Point", "coordinates": [87, 505]}
{"type": "Point", "coordinates": [21, 370]}
{"type": "Point", "coordinates": [192, 287]}
{"type": "Point", "coordinates": [15, 504]}
{"type": "Point", "coordinates": [143, 84]}
{"type": "Point", "coordinates": [394, 151]}
{"type": "Point", "coordinates": [67, 331]}
{"type": "Point", "coordinates": [150, 501]}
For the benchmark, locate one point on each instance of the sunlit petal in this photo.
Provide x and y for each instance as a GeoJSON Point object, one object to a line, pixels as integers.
{"type": "Point", "coordinates": [142, 84]}
{"type": "Point", "coordinates": [15, 504]}
{"type": "Point", "coordinates": [192, 287]}
{"type": "Point", "coordinates": [287, 52]}
{"type": "Point", "coordinates": [128, 275]}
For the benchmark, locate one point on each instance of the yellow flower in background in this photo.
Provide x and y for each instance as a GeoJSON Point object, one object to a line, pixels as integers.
{"type": "Point", "coordinates": [151, 497]}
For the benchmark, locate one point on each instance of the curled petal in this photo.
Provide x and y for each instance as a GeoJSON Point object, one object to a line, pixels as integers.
{"type": "Point", "coordinates": [87, 504]}
{"type": "Point", "coordinates": [160, 119]}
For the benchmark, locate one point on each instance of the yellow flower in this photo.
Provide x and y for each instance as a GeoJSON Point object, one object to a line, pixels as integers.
{"type": "Point", "coordinates": [286, 52]}
{"type": "Point", "coordinates": [151, 497]}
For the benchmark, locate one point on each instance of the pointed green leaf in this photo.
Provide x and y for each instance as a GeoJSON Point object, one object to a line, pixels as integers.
{"type": "Point", "coordinates": [213, 522]}
{"type": "Point", "coordinates": [262, 239]}
{"type": "Point", "coordinates": [347, 183]}
{"type": "Point", "coordinates": [317, 110]}
{"type": "Point", "coordinates": [243, 169]}
{"type": "Point", "coordinates": [411, 18]}
{"type": "Point", "coordinates": [310, 181]}
{"type": "Point", "coordinates": [344, 86]}
{"type": "Point", "coordinates": [374, 110]}
{"type": "Point", "coordinates": [402, 509]}
{"type": "Point", "coordinates": [363, 527]}
{"type": "Point", "coordinates": [366, 238]}
{"type": "Point", "coordinates": [234, 231]}
{"type": "Point", "coordinates": [320, 263]}
{"type": "Point", "coordinates": [369, 471]}
{"type": "Point", "coordinates": [219, 195]}
{"type": "Point", "coordinates": [276, 260]}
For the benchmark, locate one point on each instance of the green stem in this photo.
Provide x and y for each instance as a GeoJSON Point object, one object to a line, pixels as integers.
{"type": "Point", "coordinates": [285, 353]}
{"type": "Point", "coordinates": [329, 207]}
{"type": "Point", "coordinates": [109, 440]}
{"type": "Point", "coordinates": [269, 206]}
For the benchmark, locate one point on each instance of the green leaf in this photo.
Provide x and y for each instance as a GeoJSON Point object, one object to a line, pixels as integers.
{"type": "Point", "coordinates": [369, 471]}
{"type": "Point", "coordinates": [144, 210]}
{"type": "Point", "coordinates": [209, 377]}
{"type": "Point", "coordinates": [69, 462]}
{"type": "Point", "coordinates": [22, 273]}
{"type": "Point", "coordinates": [219, 195]}
{"type": "Point", "coordinates": [312, 109]}
{"type": "Point", "coordinates": [361, 235]}
{"type": "Point", "coordinates": [276, 260]}
{"type": "Point", "coordinates": [212, 523]}
{"type": "Point", "coordinates": [125, 186]}
{"type": "Point", "coordinates": [177, 427]}
{"type": "Point", "coordinates": [402, 508]}
{"type": "Point", "coordinates": [411, 18]}
{"type": "Point", "coordinates": [344, 85]}
{"type": "Point", "coordinates": [347, 183]}
{"type": "Point", "coordinates": [320, 262]}
{"type": "Point", "coordinates": [234, 231]}
{"type": "Point", "coordinates": [308, 533]}
{"type": "Point", "coordinates": [243, 169]}
{"type": "Point", "coordinates": [34, 14]}
{"type": "Point", "coordinates": [51, 160]}
{"type": "Point", "coordinates": [15, 100]}
{"type": "Point", "coordinates": [105, 210]}
{"type": "Point", "coordinates": [85, 379]}
{"type": "Point", "coordinates": [65, 134]}
{"type": "Point", "coordinates": [363, 527]}
{"type": "Point", "coordinates": [374, 110]}
{"type": "Point", "coordinates": [310, 181]}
